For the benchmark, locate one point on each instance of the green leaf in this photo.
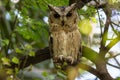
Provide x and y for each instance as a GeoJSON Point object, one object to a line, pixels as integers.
{"type": "Point", "coordinates": [15, 60]}
{"type": "Point", "coordinates": [61, 74]}
{"type": "Point", "coordinates": [17, 50]}
{"type": "Point", "coordinates": [4, 42]}
{"type": "Point", "coordinates": [45, 74]}
{"type": "Point", "coordinates": [10, 71]}
{"type": "Point", "coordinates": [31, 53]}
{"type": "Point", "coordinates": [28, 46]}
{"type": "Point", "coordinates": [6, 61]}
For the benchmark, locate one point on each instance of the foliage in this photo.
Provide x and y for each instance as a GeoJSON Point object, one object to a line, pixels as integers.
{"type": "Point", "coordinates": [85, 29]}
{"type": "Point", "coordinates": [23, 30]}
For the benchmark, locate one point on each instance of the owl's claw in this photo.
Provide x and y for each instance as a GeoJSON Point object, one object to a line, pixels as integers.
{"type": "Point", "coordinates": [58, 59]}
{"type": "Point", "coordinates": [61, 57]}
{"type": "Point", "coordinates": [70, 60]}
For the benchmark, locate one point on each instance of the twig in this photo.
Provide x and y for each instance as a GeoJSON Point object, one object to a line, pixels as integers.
{"type": "Point", "coordinates": [105, 33]}
{"type": "Point", "coordinates": [100, 23]}
{"type": "Point", "coordinates": [113, 65]}
{"type": "Point", "coordinates": [115, 59]}
{"type": "Point", "coordinates": [113, 29]}
{"type": "Point", "coordinates": [113, 56]}
{"type": "Point", "coordinates": [115, 24]}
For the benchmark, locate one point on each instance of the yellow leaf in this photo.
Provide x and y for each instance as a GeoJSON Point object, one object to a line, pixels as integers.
{"type": "Point", "coordinates": [94, 19]}
{"type": "Point", "coordinates": [85, 27]}
{"type": "Point", "coordinates": [112, 1]}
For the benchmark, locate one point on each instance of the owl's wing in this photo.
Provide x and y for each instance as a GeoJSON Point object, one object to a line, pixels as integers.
{"type": "Point", "coordinates": [51, 45]}
{"type": "Point", "coordinates": [80, 48]}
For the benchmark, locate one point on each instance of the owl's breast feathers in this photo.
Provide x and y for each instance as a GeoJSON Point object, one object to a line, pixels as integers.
{"type": "Point", "coordinates": [65, 45]}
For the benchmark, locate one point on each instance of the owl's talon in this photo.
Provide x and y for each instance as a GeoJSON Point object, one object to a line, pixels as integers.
{"type": "Point", "coordinates": [61, 57]}
{"type": "Point", "coordinates": [70, 60]}
{"type": "Point", "coordinates": [58, 59]}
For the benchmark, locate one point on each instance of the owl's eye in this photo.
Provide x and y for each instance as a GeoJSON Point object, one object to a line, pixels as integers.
{"type": "Point", "coordinates": [69, 14]}
{"type": "Point", "coordinates": [56, 15]}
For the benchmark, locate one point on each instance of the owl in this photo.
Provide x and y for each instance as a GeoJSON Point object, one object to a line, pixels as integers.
{"type": "Point", "coordinates": [64, 38]}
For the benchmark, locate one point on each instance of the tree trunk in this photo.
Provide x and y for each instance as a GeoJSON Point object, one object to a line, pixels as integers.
{"type": "Point", "coordinates": [103, 73]}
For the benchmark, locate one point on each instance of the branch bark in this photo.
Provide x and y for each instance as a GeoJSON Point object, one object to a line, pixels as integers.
{"type": "Point", "coordinates": [89, 69]}
{"type": "Point", "coordinates": [101, 65]}
{"type": "Point", "coordinates": [81, 3]}
{"type": "Point", "coordinates": [41, 55]}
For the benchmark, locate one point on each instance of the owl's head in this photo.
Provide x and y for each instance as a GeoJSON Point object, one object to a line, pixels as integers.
{"type": "Point", "coordinates": [63, 16]}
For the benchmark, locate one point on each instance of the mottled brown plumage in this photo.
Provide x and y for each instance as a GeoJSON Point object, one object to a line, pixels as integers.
{"type": "Point", "coordinates": [65, 38]}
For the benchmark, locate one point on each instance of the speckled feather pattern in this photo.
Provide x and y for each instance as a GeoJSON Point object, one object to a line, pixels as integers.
{"type": "Point", "coordinates": [65, 40]}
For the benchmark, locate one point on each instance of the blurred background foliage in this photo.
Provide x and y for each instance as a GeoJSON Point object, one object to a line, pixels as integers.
{"type": "Point", "coordinates": [24, 29]}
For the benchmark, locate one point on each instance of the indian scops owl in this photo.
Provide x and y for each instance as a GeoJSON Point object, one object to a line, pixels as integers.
{"type": "Point", "coordinates": [65, 38]}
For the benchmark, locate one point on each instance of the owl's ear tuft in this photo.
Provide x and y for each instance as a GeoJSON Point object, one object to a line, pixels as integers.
{"type": "Point", "coordinates": [73, 6]}
{"type": "Point", "coordinates": [51, 7]}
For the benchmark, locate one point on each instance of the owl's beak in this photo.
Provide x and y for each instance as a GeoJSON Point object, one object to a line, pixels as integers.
{"type": "Point", "coordinates": [62, 22]}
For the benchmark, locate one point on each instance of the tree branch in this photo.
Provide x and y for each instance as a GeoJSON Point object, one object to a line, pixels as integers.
{"type": "Point", "coordinates": [89, 69]}
{"type": "Point", "coordinates": [44, 54]}
{"type": "Point", "coordinates": [41, 55]}
{"type": "Point", "coordinates": [112, 43]}
{"type": "Point", "coordinates": [101, 64]}
{"type": "Point", "coordinates": [90, 54]}
{"type": "Point", "coordinates": [81, 3]}
{"type": "Point", "coordinates": [113, 65]}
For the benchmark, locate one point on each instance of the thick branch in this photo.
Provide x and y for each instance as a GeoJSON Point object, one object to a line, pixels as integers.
{"type": "Point", "coordinates": [89, 69]}
{"type": "Point", "coordinates": [41, 55]}
{"type": "Point", "coordinates": [90, 54]}
{"type": "Point", "coordinates": [101, 64]}
{"type": "Point", "coordinates": [44, 54]}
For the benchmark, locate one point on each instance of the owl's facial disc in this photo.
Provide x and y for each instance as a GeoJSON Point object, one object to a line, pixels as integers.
{"type": "Point", "coordinates": [62, 15]}
{"type": "Point", "coordinates": [69, 14]}
{"type": "Point", "coordinates": [56, 15]}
